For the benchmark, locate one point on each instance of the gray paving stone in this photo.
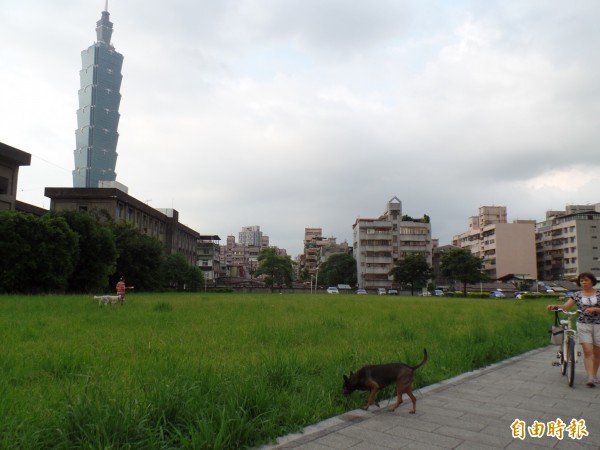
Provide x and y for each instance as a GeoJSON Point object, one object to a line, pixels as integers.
{"type": "Point", "coordinates": [477, 437]}
{"type": "Point", "coordinates": [424, 446]}
{"type": "Point", "coordinates": [338, 440]}
{"type": "Point", "coordinates": [467, 445]}
{"type": "Point", "coordinates": [375, 438]}
{"type": "Point", "coordinates": [426, 437]}
{"type": "Point", "coordinates": [439, 409]}
{"type": "Point", "coordinates": [431, 421]}
{"type": "Point", "coordinates": [381, 423]}
{"type": "Point", "coordinates": [413, 421]}
{"type": "Point", "coordinates": [576, 445]}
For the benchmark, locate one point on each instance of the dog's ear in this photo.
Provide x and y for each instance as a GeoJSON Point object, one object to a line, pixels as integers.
{"type": "Point", "coordinates": [345, 378]}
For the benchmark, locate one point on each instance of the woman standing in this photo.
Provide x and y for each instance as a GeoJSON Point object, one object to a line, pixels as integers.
{"type": "Point", "coordinates": [588, 323]}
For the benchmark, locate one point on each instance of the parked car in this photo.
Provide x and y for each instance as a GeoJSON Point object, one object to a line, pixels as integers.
{"type": "Point", "coordinates": [332, 290]}
{"type": "Point", "coordinates": [497, 294]}
{"type": "Point", "coordinates": [438, 292]}
{"type": "Point", "coordinates": [425, 294]}
{"type": "Point", "coordinates": [361, 291]}
{"type": "Point", "coordinates": [392, 292]}
{"type": "Point", "coordinates": [381, 291]}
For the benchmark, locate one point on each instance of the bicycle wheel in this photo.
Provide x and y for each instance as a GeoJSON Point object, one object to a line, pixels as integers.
{"type": "Point", "coordinates": [563, 355]}
{"type": "Point", "coordinates": [571, 361]}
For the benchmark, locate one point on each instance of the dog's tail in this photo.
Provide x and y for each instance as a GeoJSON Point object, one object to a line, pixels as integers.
{"type": "Point", "coordinates": [422, 363]}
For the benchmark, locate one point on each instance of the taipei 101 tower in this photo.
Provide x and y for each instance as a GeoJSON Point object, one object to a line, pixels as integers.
{"type": "Point", "coordinates": [98, 114]}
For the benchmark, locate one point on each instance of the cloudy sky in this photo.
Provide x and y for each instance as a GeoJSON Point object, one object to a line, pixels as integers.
{"type": "Point", "coordinates": [310, 113]}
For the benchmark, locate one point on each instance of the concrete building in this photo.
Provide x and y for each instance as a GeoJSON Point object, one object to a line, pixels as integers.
{"type": "Point", "coordinates": [381, 242]}
{"type": "Point", "coordinates": [209, 258]}
{"type": "Point", "coordinates": [10, 160]}
{"type": "Point", "coordinates": [505, 248]}
{"type": "Point", "coordinates": [250, 236]}
{"type": "Point", "coordinates": [163, 224]}
{"type": "Point", "coordinates": [317, 249]}
{"type": "Point", "coordinates": [98, 114]}
{"type": "Point", "coordinates": [568, 243]}
{"type": "Point", "coordinates": [242, 260]}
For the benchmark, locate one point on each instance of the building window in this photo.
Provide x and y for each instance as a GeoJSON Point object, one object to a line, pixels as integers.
{"type": "Point", "coordinates": [4, 186]}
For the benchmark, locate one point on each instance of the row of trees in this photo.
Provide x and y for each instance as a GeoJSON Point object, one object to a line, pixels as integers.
{"type": "Point", "coordinates": [77, 252]}
{"type": "Point", "coordinates": [413, 272]}
{"type": "Point", "coordinates": [71, 251]}
{"type": "Point", "coordinates": [457, 264]}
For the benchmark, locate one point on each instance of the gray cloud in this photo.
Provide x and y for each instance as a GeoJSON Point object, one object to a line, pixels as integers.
{"type": "Point", "coordinates": [292, 114]}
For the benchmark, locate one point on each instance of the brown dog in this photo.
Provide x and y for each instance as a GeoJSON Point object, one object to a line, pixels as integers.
{"type": "Point", "coordinates": [375, 377]}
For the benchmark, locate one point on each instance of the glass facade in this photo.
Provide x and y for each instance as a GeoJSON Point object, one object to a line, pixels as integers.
{"type": "Point", "coordinates": [98, 116]}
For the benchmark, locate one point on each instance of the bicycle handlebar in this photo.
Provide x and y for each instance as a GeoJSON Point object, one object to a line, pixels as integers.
{"type": "Point", "coordinates": [570, 313]}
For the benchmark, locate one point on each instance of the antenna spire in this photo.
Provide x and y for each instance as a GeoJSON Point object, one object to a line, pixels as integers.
{"type": "Point", "coordinates": [106, 5]}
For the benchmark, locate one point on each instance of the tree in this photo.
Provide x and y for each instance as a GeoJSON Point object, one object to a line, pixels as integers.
{"type": "Point", "coordinates": [277, 270]}
{"type": "Point", "coordinates": [140, 257]}
{"type": "Point", "coordinates": [97, 251]}
{"type": "Point", "coordinates": [413, 270]}
{"type": "Point", "coordinates": [340, 268]}
{"type": "Point", "coordinates": [193, 278]}
{"type": "Point", "coordinates": [178, 274]}
{"type": "Point", "coordinates": [38, 254]}
{"type": "Point", "coordinates": [463, 266]}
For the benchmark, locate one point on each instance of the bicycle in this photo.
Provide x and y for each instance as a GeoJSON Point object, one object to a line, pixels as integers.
{"type": "Point", "coordinates": [566, 352]}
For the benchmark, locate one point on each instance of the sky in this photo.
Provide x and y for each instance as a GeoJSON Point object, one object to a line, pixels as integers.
{"type": "Point", "coordinates": [291, 114]}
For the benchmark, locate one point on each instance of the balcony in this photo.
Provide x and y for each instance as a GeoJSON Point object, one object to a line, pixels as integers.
{"type": "Point", "coordinates": [376, 270]}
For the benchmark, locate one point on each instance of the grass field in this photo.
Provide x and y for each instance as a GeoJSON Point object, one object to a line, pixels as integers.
{"type": "Point", "coordinates": [226, 371]}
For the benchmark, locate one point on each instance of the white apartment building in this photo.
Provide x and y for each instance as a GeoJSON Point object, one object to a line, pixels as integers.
{"type": "Point", "coordinates": [381, 242]}
{"type": "Point", "coordinates": [505, 248]}
{"type": "Point", "coordinates": [568, 243]}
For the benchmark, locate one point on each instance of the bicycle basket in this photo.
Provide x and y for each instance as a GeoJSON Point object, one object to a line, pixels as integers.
{"type": "Point", "coordinates": [557, 334]}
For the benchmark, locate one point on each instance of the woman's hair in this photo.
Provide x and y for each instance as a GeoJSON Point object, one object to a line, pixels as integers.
{"type": "Point", "coordinates": [589, 275]}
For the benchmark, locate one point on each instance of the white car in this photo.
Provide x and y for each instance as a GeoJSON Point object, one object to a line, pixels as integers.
{"type": "Point", "coordinates": [381, 291]}
{"type": "Point", "coordinates": [332, 290]}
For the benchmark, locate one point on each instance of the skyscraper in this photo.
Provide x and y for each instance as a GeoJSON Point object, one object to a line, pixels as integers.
{"type": "Point", "coordinates": [98, 114]}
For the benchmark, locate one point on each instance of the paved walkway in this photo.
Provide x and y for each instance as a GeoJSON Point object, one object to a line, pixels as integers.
{"type": "Point", "coordinates": [472, 411]}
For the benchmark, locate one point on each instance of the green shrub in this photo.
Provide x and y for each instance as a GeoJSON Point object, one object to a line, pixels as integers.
{"type": "Point", "coordinates": [540, 295]}
{"type": "Point", "coordinates": [478, 294]}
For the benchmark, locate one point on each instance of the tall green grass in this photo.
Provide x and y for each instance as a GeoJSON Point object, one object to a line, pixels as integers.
{"type": "Point", "coordinates": [225, 371]}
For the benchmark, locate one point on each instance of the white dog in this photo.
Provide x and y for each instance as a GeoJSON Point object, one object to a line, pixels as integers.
{"type": "Point", "coordinates": [108, 299]}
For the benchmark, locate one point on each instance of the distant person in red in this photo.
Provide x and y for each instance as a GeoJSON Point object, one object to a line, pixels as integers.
{"type": "Point", "coordinates": [121, 288]}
